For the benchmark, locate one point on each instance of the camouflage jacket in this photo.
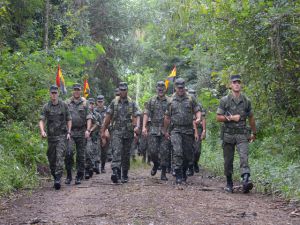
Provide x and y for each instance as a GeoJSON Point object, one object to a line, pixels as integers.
{"type": "Point", "coordinates": [56, 117]}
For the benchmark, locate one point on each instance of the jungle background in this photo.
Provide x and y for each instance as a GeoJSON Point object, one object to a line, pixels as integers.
{"type": "Point", "coordinates": [140, 42]}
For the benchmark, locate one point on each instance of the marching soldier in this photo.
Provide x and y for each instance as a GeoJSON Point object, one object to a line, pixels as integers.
{"type": "Point", "coordinates": [233, 111]}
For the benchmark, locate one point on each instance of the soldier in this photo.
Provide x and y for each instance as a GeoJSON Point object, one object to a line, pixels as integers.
{"type": "Point", "coordinates": [101, 110]}
{"type": "Point", "coordinates": [81, 125]}
{"type": "Point", "coordinates": [180, 113]}
{"type": "Point", "coordinates": [158, 145]}
{"type": "Point", "coordinates": [233, 111]}
{"type": "Point", "coordinates": [125, 116]}
{"type": "Point", "coordinates": [58, 121]}
{"type": "Point", "coordinates": [201, 129]}
{"type": "Point", "coordinates": [91, 146]}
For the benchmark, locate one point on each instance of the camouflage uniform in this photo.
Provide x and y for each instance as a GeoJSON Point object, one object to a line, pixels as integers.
{"type": "Point", "coordinates": [122, 111]}
{"type": "Point", "coordinates": [56, 117]}
{"type": "Point", "coordinates": [102, 150]}
{"type": "Point", "coordinates": [198, 144]}
{"type": "Point", "coordinates": [235, 133]}
{"type": "Point", "coordinates": [157, 143]}
{"type": "Point", "coordinates": [181, 110]}
{"type": "Point", "coordinates": [80, 114]}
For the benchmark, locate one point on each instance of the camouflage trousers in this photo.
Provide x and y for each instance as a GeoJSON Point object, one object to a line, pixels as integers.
{"type": "Point", "coordinates": [92, 153]}
{"type": "Point", "coordinates": [121, 152]}
{"type": "Point", "coordinates": [159, 149]}
{"type": "Point", "coordinates": [183, 153]}
{"type": "Point", "coordinates": [228, 153]}
{"type": "Point", "coordinates": [79, 142]}
{"type": "Point", "coordinates": [197, 149]}
{"type": "Point", "coordinates": [56, 155]}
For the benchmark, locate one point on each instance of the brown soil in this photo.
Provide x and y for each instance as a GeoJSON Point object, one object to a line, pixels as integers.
{"type": "Point", "coordinates": [145, 200]}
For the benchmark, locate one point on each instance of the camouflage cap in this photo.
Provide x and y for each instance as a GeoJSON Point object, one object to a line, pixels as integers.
{"type": "Point", "coordinates": [100, 98]}
{"type": "Point", "coordinates": [76, 86]}
{"type": "Point", "coordinates": [179, 82]}
{"type": "Point", "coordinates": [123, 86]}
{"type": "Point", "coordinates": [235, 77]}
{"type": "Point", "coordinates": [160, 84]}
{"type": "Point", "coordinates": [53, 88]}
{"type": "Point", "coordinates": [91, 100]}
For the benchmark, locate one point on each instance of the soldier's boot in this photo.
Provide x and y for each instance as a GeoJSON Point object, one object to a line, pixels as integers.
{"type": "Point", "coordinates": [87, 174]}
{"type": "Point", "coordinates": [247, 185]}
{"type": "Point", "coordinates": [196, 168]}
{"type": "Point", "coordinates": [229, 185]}
{"type": "Point", "coordinates": [103, 168]}
{"type": "Point", "coordinates": [115, 175]}
{"type": "Point", "coordinates": [154, 168]}
{"type": "Point", "coordinates": [124, 176]}
{"type": "Point", "coordinates": [168, 169]}
{"type": "Point", "coordinates": [96, 168]}
{"type": "Point", "coordinates": [163, 173]}
{"type": "Point", "coordinates": [78, 178]}
{"type": "Point", "coordinates": [57, 182]}
{"type": "Point", "coordinates": [69, 177]}
{"type": "Point", "coordinates": [178, 173]}
{"type": "Point", "coordinates": [190, 171]}
{"type": "Point", "coordinates": [91, 173]}
{"type": "Point", "coordinates": [184, 174]}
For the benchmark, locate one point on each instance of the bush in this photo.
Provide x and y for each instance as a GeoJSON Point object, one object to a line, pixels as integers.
{"type": "Point", "coordinates": [21, 150]}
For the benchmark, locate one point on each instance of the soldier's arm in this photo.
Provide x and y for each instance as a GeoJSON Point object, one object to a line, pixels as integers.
{"type": "Point", "coordinates": [42, 122]}
{"type": "Point", "coordinates": [106, 122]}
{"type": "Point", "coordinates": [251, 122]}
{"type": "Point", "coordinates": [221, 112]}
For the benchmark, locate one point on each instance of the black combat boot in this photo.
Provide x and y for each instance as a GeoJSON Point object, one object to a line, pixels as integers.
{"type": "Point", "coordinates": [184, 174]}
{"type": "Point", "coordinates": [247, 185]}
{"type": "Point", "coordinates": [178, 173]}
{"type": "Point", "coordinates": [78, 178]}
{"type": "Point", "coordinates": [103, 168]}
{"type": "Point", "coordinates": [229, 185]}
{"type": "Point", "coordinates": [196, 168]}
{"type": "Point", "coordinates": [115, 175]}
{"type": "Point", "coordinates": [96, 168]}
{"type": "Point", "coordinates": [163, 173]}
{"type": "Point", "coordinates": [154, 168]}
{"type": "Point", "coordinates": [57, 182]}
{"type": "Point", "coordinates": [190, 171]}
{"type": "Point", "coordinates": [125, 176]}
{"type": "Point", "coordinates": [87, 174]}
{"type": "Point", "coordinates": [91, 173]}
{"type": "Point", "coordinates": [69, 177]}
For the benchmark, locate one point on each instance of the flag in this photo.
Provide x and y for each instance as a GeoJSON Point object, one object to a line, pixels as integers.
{"type": "Point", "coordinates": [60, 81]}
{"type": "Point", "coordinates": [86, 88]}
{"type": "Point", "coordinates": [171, 77]}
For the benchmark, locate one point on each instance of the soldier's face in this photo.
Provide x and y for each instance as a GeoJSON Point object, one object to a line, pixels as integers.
{"type": "Point", "coordinates": [100, 103]}
{"type": "Point", "coordinates": [76, 93]}
{"type": "Point", "coordinates": [235, 86]}
{"type": "Point", "coordinates": [180, 91]}
{"type": "Point", "coordinates": [123, 93]}
{"type": "Point", "coordinates": [160, 92]}
{"type": "Point", "coordinates": [54, 95]}
{"type": "Point", "coordinates": [92, 105]}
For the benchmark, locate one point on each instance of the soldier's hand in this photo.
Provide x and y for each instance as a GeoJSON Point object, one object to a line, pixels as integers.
{"type": "Point", "coordinates": [136, 138]}
{"type": "Point", "coordinates": [198, 121]}
{"type": "Point", "coordinates": [136, 130]}
{"type": "Point", "coordinates": [235, 118]}
{"type": "Point", "coordinates": [145, 132]}
{"type": "Point", "coordinates": [68, 136]}
{"type": "Point", "coordinates": [203, 135]}
{"type": "Point", "coordinates": [252, 138]}
{"type": "Point", "coordinates": [87, 134]}
{"type": "Point", "coordinates": [103, 142]}
{"type": "Point", "coordinates": [43, 134]}
{"type": "Point", "coordinates": [167, 135]}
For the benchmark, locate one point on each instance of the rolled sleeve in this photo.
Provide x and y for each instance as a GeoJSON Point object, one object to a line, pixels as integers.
{"type": "Point", "coordinates": [221, 108]}
{"type": "Point", "coordinates": [147, 109]}
{"type": "Point", "coordinates": [136, 110]}
{"type": "Point", "coordinates": [68, 114]}
{"type": "Point", "coordinates": [196, 106]}
{"type": "Point", "coordinates": [168, 112]}
{"type": "Point", "coordinates": [43, 113]}
{"type": "Point", "coordinates": [110, 109]}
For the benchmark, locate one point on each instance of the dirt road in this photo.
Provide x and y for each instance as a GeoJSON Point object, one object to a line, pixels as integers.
{"type": "Point", "coordinates": [145, 200]}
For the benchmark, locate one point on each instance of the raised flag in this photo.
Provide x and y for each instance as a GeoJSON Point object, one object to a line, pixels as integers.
{"type": "Point", "coordinates": [60, 81]}
{"type": "Point", "coordinates": [86, 88]}
{"type": "Point", "coordinates": [171, 77]}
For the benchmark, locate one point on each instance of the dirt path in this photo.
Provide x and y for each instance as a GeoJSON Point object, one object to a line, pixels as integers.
{"type": "Point", "coordinates": [144, 200]}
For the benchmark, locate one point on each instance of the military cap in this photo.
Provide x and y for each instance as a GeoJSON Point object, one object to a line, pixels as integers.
{"type": "Point", "coordinates": [192, 91]}
{"type": "Point", "coordinates": [179, 82]}
{"type": "Point", "coordinates": [100, 98]}
{"type": "Point", "coordinates": [123, 86]}
{"type": "Point", "coordinates": [77, 86]}
{"type": "Point", "coordinates": [235, 77]}
{"type": "Point", "coordinates": [91, 100]}
{"type": "Point", "coordinates": [53, 88]}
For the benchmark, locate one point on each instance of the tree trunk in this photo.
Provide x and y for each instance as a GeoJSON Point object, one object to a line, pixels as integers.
{"type": "Point", "coordinates": [46, 25]}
